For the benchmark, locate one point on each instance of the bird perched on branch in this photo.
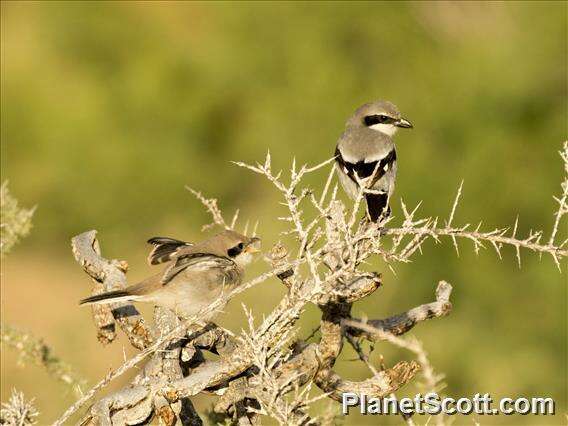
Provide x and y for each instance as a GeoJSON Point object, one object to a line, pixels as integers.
{"type": "Point", "coordinates": [196, 275]}
{"type": "Point", "coordinates": [366, 150]}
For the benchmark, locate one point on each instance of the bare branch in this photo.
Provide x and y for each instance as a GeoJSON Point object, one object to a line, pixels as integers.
{"type": "Point", "coordinates": [385, 383]}
{"type": "Point", "coordinates": [563, 200]}
{"type": "Point", "coordinates": [402, 323]}
{"type": "Point", "coordinates": [109, 275]}
{"type": "Point", "coordinates": [212, 207]}
{"type": "Point", "coordinates": [496, 237]}
{"type": "Point", "coordinates": [266, 370]}
{"type": "Point", "coordinates": [213, 374]}
{"type": "Point", "coordinates": [18, 411]}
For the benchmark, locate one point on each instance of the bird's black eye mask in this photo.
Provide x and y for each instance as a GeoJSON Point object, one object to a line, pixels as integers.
{"type": "Point", "coordinates": [235, 251]}
{"type": "Point", "coordinates": [371, 120]}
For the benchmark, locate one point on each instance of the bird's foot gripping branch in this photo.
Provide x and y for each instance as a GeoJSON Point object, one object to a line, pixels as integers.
{"type": "Point", "coordinates": [267, 370]}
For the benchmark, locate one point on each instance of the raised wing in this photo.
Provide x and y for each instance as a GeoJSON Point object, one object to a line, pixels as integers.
{"type": "Point", "coordinates": [164, 248]}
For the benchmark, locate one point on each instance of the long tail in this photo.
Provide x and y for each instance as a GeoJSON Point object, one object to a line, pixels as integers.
{"type": "Point", "coordinates": [377, 206]}
{"type": "Point", "coordinates": [109, 297]}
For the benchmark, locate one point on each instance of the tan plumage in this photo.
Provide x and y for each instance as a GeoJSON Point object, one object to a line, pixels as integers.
{"type": "Point", "coordinates": [195, 275]}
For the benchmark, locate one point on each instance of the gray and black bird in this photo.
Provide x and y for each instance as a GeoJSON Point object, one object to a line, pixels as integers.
{"type": "Point", "coordinates": [195, 275]}
{"type": "Point", "coordinates": [366, 149]}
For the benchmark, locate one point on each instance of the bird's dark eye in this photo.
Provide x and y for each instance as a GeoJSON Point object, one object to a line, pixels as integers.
{"type": "Point", "coordinates": [235, 251]}
{"type": "Point", "coordinates": [371, 120]}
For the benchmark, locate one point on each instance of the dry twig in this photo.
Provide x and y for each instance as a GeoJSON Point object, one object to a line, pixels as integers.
{"type": "Point", "coordinates": [263, 369]}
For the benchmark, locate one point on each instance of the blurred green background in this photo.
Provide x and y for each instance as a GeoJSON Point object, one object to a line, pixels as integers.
{"type": "Point", "coordinates": [109, 109]}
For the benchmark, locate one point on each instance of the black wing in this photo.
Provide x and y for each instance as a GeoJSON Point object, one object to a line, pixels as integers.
{"type": "Point", "coordinates": [197, 260]}
{"type": "Point", "coordinates": [163, 249]}
{"type": "Point", "coordinates": [363, 169]}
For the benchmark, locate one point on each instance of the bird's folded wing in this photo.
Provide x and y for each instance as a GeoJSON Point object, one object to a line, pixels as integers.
{"type": "Point", "coordinates": [384, 164]}
{"type": "Point", "coordinates": [365, 169]}
{"type": "Point", "coordinates": [196, 261]}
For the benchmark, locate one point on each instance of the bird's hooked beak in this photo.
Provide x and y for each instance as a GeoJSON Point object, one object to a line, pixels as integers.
{"type": "Point", "coordinates": [404, 123]}
{"type": "Point", "coordinates": [253, 246]}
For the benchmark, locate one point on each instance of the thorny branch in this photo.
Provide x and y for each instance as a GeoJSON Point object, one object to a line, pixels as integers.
{"type": "Point", "coordinates": [267, 370]}
{"type": "Point", "coordinates": [420, 229]}
{"type": "Point", "coordinates": [402, 323]}
{"type": "Point", "coordinates": [18, 411]}
{"type": "Point", "coordinates": [109, 275]}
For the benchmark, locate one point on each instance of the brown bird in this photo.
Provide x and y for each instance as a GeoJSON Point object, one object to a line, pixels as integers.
{"type": "Point", "coordinates": [196, 275]}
